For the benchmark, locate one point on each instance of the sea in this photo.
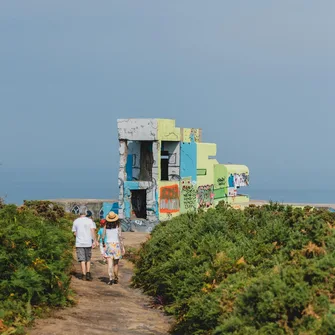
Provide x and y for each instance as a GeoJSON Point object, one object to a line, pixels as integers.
{"type": "Point", "coordinates": [316, 196]}
{"type": "Point", "coordinates": [17, 192]}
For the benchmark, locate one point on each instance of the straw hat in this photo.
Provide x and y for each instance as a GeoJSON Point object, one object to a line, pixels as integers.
{"type": "Point", "coordinates": [112, 217]}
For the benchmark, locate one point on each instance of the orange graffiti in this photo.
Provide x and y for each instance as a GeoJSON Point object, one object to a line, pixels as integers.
{"type": "Point", "coordinates": [169, 199]}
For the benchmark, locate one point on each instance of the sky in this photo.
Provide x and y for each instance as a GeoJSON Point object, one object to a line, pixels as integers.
{"type": "Point", "coordinates": [257, 76]}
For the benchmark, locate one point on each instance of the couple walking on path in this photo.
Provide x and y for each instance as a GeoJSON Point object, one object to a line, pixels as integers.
{"type": "Point", "coordinates": [111, 244]}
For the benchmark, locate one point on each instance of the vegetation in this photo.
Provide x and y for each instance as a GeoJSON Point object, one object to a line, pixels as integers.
{"type": "Point", "coordinates": [265, 270]}
{"type": "Point", "coordinates": [35, 260]}
{"type": "Point", "coordinates": [131, 254]}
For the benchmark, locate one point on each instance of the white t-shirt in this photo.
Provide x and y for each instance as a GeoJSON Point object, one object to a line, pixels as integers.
{"type": "Point", "coordinates": [112, 235]}
{"type": "Point", "coordinates": [95, 226]}
{"type": "Point", "coordinates": [82, 226]}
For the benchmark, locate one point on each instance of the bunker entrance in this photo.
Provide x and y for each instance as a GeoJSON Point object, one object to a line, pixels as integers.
{"type": "Point", "coordinates": [164, 165]}
{"type": "Point", "coordinates": [139, 203]}
{"type": "Point", "coordinates": [146, 161]}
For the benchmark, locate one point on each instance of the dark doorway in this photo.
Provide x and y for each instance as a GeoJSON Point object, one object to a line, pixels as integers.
{"type": "Point", "coordinates": [139, 203]}
{"type": "Point", "coordinates": [164, 165]}
{"type": "Point", "coordinates": [146, 161]}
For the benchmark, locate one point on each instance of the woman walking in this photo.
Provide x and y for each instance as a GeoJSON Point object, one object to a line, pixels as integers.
{"type": "Point", "coordinates": [114, 248]}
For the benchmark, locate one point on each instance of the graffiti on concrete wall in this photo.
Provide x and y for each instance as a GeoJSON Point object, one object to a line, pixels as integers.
{"type": "Point", "coordinates": [169, 199]}
{"type": "Point", "coordinates": [221, 181]}
{"type": "Point", "coordinates": [188, 195]}
{"type": "Point", "coordinates": [195, 135]}
{"type": "Point", "coordinates": [232, 192]}
{"type": "Point", "coordinates": [238, 180]}
{"type": "Point", "coordinates": [141, 226]}
{"type": "Point", "coordinates": [205, 196]}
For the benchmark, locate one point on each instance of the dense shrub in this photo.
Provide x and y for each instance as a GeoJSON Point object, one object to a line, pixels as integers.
{"type": "Point", "coordinates": [267, 270]}
{"type": "Point", "coordinates": [45, 208]}
{"type": "Point", "coordinates": [35, 260]}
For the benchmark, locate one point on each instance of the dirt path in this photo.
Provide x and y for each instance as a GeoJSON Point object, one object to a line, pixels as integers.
{"type": "Point", "coordinates": [102, 309]}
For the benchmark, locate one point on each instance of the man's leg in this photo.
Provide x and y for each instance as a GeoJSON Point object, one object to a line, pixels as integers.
{"type": "Point", "coordinates": [88, 255]}
{"type": "Point", "coordinates": [83, 268]}
{"type": "Point", "coordinates": [81, 259]}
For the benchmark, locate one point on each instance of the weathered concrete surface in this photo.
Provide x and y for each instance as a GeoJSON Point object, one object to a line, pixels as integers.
{"type": "Point", "coordinates": [93, 205]}
{"type": "Point", "coordinates": [138, 129]}
{"type": "Point", "coordinates": [104, 309]}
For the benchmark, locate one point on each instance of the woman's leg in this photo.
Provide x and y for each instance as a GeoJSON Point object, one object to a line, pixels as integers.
{"type": "Point", "coordinates": [116, 270]}
{"type": "Point", "coordinates": [110, 268]}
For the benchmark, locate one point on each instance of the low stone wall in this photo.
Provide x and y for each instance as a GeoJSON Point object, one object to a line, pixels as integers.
{"type": "Point", "coordinates": [98, 207]}
{"type": "Point", "coordinates": [95, 206]}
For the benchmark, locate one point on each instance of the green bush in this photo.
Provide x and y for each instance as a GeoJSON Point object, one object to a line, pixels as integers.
{"type": "Point", "coordinates": [45, 208]}
{"type": "Point", "coordinates": [35, 261]}
{"type": "Point", "coordinates": [264, 270]}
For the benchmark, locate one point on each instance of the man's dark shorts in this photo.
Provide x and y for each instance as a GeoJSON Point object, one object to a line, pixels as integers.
{"type": "Point", "coordinates": [84, 254]}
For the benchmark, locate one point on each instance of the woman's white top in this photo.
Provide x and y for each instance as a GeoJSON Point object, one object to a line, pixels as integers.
{"type": "Point", "coordinates": [112, 235]}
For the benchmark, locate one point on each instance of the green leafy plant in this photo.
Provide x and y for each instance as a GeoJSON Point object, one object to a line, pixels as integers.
{"type": "Point", "coordinates": [131, 254]}
{"type": "Point", "coordinates": [44, 208]}
{"type": "Point", "coordinates": [35, 261]}
{"type": "Point", "coordinates": [264, 270]}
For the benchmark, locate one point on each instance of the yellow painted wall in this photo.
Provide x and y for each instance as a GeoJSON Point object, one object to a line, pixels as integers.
{"type": "Point", "coordinates": [239, 199]}
{"type": "Point", "coordinates": [189, 133]}
{"type": "Point", "coordinates": [167, 130]}
{"type": "Point", "coordinates": [204, 150]}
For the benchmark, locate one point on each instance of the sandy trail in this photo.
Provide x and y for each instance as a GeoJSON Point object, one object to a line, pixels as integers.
{"type": "Point", "coordinates": [104, 309]}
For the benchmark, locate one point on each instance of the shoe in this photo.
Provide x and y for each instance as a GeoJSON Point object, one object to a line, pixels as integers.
{"type": "Point", "coordinates": [110, 282]}
{"type": "Point", "coordinates": [88, 276]}
{"type": "Point", "coordinates": [116, 280]}
{"type": "Point", "coordinates": [82, 277]}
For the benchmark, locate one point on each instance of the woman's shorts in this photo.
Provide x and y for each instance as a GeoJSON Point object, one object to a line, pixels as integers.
{"type": "Point", "coordinates": [84, 254]}
{"type": "Point", "coordinates": [113, 250]}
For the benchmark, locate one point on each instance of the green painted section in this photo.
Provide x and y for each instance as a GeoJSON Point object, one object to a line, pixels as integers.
{"type": "Point", "coordinates": [201, 172]}
{"type": "Point", "coordinates": [219, 193]}
{"type": "Point", "coordinates": [220, 176]}
{"type": "Point", "coordinates": [220, 181]}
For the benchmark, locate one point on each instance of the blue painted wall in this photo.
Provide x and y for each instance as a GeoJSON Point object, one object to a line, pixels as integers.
{"type": "Point", "coordinates": [128, 186]}
{"type": "Point", "coordinates": [129, 168]}
{"type": "Point", "coordinates": [110, 206]}
{"type": "Point", "coordinates": [188, 160]}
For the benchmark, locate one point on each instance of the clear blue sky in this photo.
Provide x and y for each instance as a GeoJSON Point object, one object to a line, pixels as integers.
{"type": "Point", "coordinates": [256, 76]}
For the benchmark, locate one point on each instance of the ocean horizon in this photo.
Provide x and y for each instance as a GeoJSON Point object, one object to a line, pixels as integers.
{"type": "Point", "coordinates": [17, 192]}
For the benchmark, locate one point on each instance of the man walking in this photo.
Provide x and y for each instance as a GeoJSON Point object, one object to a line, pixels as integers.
{"type": "Point", "coordinates": [84, 231]}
